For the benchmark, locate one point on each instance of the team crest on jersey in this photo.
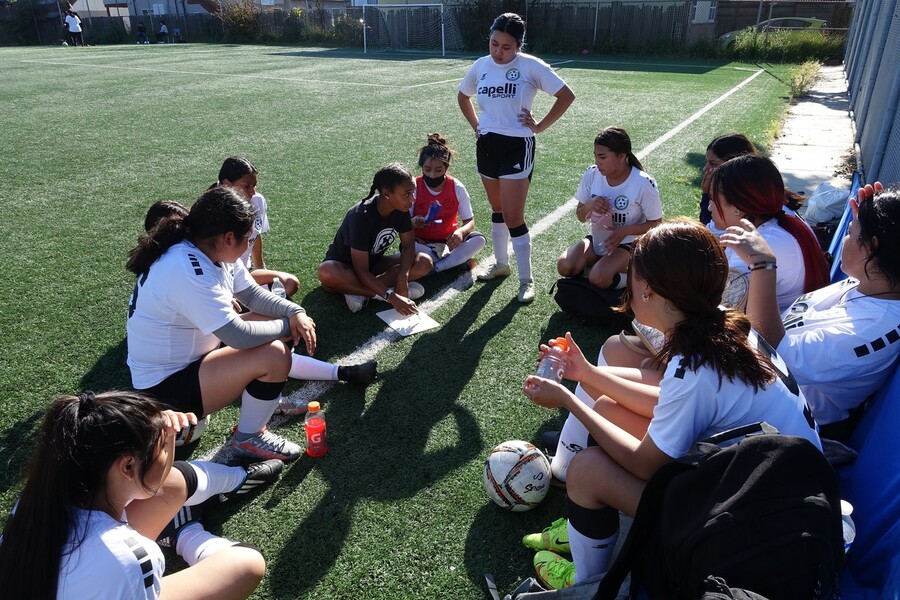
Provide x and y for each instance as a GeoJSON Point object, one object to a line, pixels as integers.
{"type": "Point", "coordinates": [621, 202]}
{"type": "Point", "coordinates": [383, 240]}
{"type": "Point", "coordinates": [513, 75]}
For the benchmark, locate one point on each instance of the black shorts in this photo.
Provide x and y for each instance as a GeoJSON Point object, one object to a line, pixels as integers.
{"type": "Point", "coordinates": [181, 390]}
{"type": "Point", "coordinates": [625, 247]}
{"type": "Point", "coordinates": [504, 157]}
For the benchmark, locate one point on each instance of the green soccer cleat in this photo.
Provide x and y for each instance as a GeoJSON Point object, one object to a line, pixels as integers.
{"type": "Point", "coordinates": [554, 571]}
{"type": "Point", "coordinates": [554, 538]}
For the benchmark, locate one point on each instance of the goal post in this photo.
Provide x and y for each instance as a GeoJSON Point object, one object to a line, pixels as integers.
{"type": "Point", "coordinates": [410, 27]}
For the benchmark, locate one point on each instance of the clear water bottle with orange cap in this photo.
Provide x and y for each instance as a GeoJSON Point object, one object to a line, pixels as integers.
{"type": "Point", "coordinates": [316, 434]}
{"type": "Point", "coordinates": [553, 365]}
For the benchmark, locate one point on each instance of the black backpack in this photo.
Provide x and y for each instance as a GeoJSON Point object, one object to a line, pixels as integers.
{"type": "Point", "coordinates": [764, 514]}
{"type": "Point", "coordinates": [575, 295]}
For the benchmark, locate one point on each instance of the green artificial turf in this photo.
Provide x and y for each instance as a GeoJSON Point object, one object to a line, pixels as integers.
{"type": "Point", "coordinates": [92, 136]}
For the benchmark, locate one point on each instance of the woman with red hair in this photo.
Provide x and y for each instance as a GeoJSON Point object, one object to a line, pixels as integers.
{"type": "Point", "coordinates": [750, 187]}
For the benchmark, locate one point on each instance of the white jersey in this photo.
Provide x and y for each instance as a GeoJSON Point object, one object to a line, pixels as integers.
{"type": "Point", "coordinates": [502, 91]}
{"type": "Point", "coordinates": [73, 23]}
{"type": "Point", "coordinates": [693, 406]}
{"type": "Point", "coordinates": [260, 226]}
{"type": "Point", "coordinates": [841, 346]}
{"type": "Point", "coordinates": [175, 308]}
{"type": "Point", "coordinates": [464, 210]}
{"type": "Point", "coordinates": [791, 272]}
{"type": "Point", "coordinates": [633, 202]}
{"type": "Point", "coordinates": [113, 562]}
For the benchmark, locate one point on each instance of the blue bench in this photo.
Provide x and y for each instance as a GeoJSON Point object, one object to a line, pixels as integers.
{"type": "Point", "coordinates": [872, 485]}
{"type": "Point", "coordinates": [837, 240]}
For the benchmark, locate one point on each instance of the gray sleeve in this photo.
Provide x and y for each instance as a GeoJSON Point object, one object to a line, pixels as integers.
{"type": "Point", "coordinates": [241, 334]}
{"type": "Point", "coordinates": [266, 303]}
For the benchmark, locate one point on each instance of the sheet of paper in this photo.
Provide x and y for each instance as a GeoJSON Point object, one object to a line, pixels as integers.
{"type": "Point", "coordinates": [407, 325]}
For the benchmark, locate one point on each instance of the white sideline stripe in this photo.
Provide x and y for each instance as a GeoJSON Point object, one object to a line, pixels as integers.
{"type": "Point", "coordinates": [565, 62]}
{"type": "Point", "coordinates": [370, 349]}
{"type": "Point", "coordinates": [672, 132]}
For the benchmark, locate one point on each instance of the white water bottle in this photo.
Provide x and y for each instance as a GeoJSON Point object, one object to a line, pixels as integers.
{"type": "Point", "coordinates": [278, 288]}
{"type": "Point", "coordinates": [553, 365]}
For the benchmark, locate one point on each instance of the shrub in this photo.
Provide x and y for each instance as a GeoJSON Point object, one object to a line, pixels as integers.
{"type": "Point", "coordinates": [20, 28]}
{"type": "Point", "coordinates": [241, 20]}
{"type": "Point", "coordinates": [106, 31]}
{"type": "Point", "coordinates": [788, 46]}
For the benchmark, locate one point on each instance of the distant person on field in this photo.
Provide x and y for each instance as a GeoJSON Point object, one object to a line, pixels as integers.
{"type": "Point", "coordinates": [142, 33]}
{"type": "Point", "coordinates": [621, 202]}
{"type": "Point", "coordinates": [239, 174]}
{"type": "Point", "coordinates": [162, 35]}
{"type": "Point", "coordinates": [356, 264]}
{"type": "Point", "coordinates": [441, 201]}
{"type": "Point", "coordinates": [73, 24]}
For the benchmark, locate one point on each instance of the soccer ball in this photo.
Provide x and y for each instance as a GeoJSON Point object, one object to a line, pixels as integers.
{"type": "Point", "coordinates": [189, 435]}
{"type": "Point", "coordinates": [517, 475]}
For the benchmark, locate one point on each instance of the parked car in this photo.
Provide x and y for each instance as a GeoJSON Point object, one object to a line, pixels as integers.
{"type": "Point", "coordinates": [779, 24]}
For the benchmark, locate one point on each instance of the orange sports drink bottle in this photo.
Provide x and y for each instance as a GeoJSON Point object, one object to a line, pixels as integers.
{"type": "Point", "coordinates": [316, 436]}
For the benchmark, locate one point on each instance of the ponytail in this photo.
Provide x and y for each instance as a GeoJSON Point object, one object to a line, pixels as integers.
{"type": "Point", "coordinates": [79, 440]}
{"type": "Point", "coordinates": [617, 140]}
{"type": "Point", "coordinates": [218, 211]}
{"type": "Point", "coordinates": [816, 269]}
{"type": "Point", "coordinates": [684, 263]}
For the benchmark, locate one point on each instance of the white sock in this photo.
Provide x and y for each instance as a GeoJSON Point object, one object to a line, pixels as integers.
{"type": "Point", "coordinates": [522, 247]}
{"type": "Point", "coordinates": [255, 413]}
{"type": "Point", "coordinates": [500, 239]}
{"type": "Point", "coordinates": [572, 439]}
{"type": "Point", "coordinates": [574, 436]}
{"type": "Point", "coordinates": [195, 543]}
{"type": "Point", "coordinates": [214, 479]}
{"type": "Point", "coordinates": [460, 254]}
{"type": "Point", "coordinates": [623, 281]}
{"type": "Point", "coordinates": [306, 367]}
{"type": "Point", "coordinates": [591, 556]}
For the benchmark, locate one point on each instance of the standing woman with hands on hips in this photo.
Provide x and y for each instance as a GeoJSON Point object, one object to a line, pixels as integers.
{"type": "Point", "coordinates": [505, 83]}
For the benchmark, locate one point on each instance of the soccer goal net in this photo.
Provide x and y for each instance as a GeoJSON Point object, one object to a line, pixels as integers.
{"type": "Point", "coordinates": [410, 27]}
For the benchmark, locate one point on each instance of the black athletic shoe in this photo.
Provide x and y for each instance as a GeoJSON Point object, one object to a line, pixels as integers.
{"type": "Point", "coordinates": [362, 374]}
{"type": "Point", "coordinates": [549, 441]}
{"type": "Point", "coordinates": [258, 474]}
{"type": "Point", "coordinates": [184, 517]}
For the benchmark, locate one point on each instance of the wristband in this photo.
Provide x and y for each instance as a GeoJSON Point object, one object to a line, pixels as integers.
{"type": "Point", "coordinates": [388, 294]}
{"type": "Point", "coordinates": [768, 266]}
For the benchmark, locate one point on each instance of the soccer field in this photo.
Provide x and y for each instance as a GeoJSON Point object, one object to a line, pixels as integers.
{"type": "Point", "coordinates": [92, 136]}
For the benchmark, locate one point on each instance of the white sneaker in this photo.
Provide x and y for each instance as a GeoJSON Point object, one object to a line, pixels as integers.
{"type": "Point", "coordinates": [416, 290]}
{"type": "Point", "coordinates": [496, 271]}
{"type": "Point", "coordinates": [265, 445]}
{"type": "Point", "coordinates": [526, 291]}
{"type": "Point", "coordinates": [355, 302]}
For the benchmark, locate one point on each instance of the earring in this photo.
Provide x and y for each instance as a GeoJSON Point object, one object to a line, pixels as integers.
{"type": "Point", "coordinates": [645, 297]}
{"type": "Point", "coordinates": [737, 212]}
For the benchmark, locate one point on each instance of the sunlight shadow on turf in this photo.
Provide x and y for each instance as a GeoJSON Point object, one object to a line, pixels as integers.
{"type": "Point", "coordinates": [390, 437]}
{"type": "Point", "coordinates": [494, 544]}
{"type": "Point", "coordinates": [110, 372]}
{"type": "Point", "coordinates": [16, 446]}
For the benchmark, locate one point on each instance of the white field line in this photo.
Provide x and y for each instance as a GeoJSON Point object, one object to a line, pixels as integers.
{"type": "Point", "coordinates": [370, 349]}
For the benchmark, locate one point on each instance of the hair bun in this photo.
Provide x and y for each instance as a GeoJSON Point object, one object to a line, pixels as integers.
{"type": "Point", "coordinates": [436, 138]}
{"type": "Point", "coordinates": [85, 401]}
